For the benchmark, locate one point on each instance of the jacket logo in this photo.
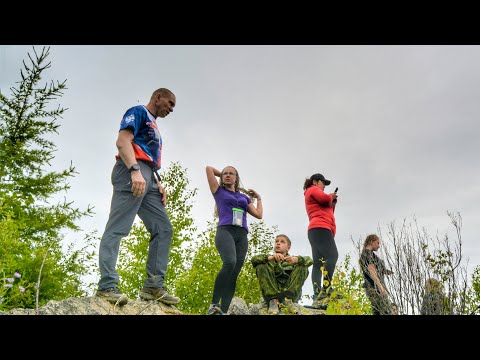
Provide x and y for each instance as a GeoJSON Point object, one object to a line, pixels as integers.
{"type": "Point", "coordinates": [129, 118]}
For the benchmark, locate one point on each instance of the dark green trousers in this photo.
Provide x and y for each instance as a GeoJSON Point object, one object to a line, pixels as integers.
{"type": "Point", "coordinates": [275, 285]}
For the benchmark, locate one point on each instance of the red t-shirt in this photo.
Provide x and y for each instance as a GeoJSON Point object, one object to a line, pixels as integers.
{"type": "Point", "coordinates": [320, 209]}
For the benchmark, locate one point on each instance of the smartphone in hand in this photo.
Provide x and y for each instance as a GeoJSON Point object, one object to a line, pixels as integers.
{"type": "Point", "coordinates": [336, 189]}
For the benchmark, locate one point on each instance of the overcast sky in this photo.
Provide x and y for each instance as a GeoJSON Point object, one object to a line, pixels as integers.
{"type": "Point", "coordinates": [394, 127]}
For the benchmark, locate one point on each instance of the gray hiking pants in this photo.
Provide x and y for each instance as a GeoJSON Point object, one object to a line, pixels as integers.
{"type": "Point", "coordinates": [124, 208]}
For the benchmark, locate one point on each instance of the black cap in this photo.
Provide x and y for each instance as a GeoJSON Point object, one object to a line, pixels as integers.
{"type": "Point", "coordinates": [320, 177]}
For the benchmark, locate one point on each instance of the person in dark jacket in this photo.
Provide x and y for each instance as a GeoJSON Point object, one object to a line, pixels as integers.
{"type": "Point", "coordinates": [374, 271]}
{"type": "Point", "coordinates": [281, 276]}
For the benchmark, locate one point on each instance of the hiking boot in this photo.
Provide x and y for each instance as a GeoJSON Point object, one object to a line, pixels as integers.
{"type": "Point", "coordinates": [290, 306]}
{"type": "Point", "coordinates": [161, 294]}
{"type": "Point", "coordinates": [113, 295]}
{"type": "Point", "coordinates": [214, 309]}
{"type": "Point", "coordinates": [321, 300]}
{"type": "Point", "coordinates": [320, 304]}
{"type": "Point", "coordinates": [273, 307]}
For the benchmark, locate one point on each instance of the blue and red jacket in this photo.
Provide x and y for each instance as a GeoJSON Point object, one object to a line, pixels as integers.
{"type": "Point", "coordinates": [147, 141]}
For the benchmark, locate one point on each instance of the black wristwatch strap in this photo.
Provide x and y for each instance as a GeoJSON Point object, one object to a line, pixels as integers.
{"type": "Point", "coordinates": [134, 167]}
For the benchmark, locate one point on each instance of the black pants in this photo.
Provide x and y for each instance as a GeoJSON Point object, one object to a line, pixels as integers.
{"type": "Point", "coordinates": [232, 244]}
{"type": "Point", "coordinates": [324, 253]}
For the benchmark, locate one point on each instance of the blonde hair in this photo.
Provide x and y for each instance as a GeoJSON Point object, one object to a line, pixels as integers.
{"type": "Point", "coordinates": [238, 187]}
{"type": "Point", "coordinates": [433, 285]}
{"type": "Point", "coordinates": [370, 239]}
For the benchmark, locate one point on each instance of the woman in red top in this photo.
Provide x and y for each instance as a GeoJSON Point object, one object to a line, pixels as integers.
{"type": "Point", "coordinates": [321, 232]}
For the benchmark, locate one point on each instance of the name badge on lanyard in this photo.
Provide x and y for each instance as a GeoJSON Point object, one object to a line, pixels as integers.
{"type": "Point", "coordinates": [237, 218]}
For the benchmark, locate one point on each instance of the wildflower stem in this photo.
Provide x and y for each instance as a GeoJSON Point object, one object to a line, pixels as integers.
{"type": "Point", "coordinates": [38, 281]}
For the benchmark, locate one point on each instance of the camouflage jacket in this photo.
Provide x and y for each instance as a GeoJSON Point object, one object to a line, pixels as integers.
{"type": "Point", "coordinates": [281, 271]}
{"type": "Point", "coordinates": [284, 265]}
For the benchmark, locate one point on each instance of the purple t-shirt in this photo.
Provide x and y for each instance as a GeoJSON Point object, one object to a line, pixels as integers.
{"type": "Point", "coordinates": [227, 200]}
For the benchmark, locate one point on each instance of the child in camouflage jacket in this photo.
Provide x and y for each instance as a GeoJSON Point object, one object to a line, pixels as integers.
{"type": "Point", "coordinates": [281, 276]}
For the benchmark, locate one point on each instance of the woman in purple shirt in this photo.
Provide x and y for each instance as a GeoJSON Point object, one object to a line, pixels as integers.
{"type": "Point", "coordinates": [231, 237]}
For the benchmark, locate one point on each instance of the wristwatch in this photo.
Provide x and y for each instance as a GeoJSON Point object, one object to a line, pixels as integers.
{"type": "Point", "coordinates": [134, 167]}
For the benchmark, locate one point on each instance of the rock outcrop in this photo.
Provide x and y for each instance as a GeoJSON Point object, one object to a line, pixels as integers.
{"type": "Point", "coordinates": [96, 306]}
{"type": "Point", "coordinates": [240, 307]}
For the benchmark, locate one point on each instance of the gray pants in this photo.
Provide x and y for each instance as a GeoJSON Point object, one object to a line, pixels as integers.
{"type": "Point", "coordinates": [124, 208]}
